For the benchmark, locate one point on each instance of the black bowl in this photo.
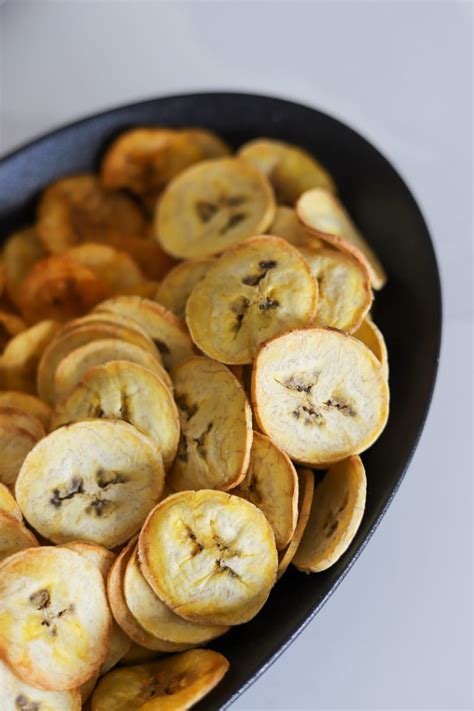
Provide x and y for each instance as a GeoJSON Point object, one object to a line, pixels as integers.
{"type": "Point", "coordinates": [408, 309]}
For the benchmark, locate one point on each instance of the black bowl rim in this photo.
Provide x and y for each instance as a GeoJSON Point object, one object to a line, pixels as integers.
{"type": "Point", "coordinates": [437, 306]}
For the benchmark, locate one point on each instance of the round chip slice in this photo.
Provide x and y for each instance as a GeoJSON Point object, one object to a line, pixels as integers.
{"type": "Point", "coordinates": [94, 480]}
{"type": "Point", "coordinates": [52, 634]}
{"type": "Point", "coordinates": [19, 361]}
{"type": "Point", "coordinates": [74, 366]}
{"type": "Point", "coordinates": [167, 331]}
{"type": "Point", "coordinates": [287, 226]}
{"type": "Point", "coordinates": [177, 682]}
{"type": "Point", "coordinates": [336, 512]}
{"type": "Point", "coordinates": [306, 492]}
{"type": "Point", "coordinates": [60, 288]}
{"type": "Point", "coordinates": [8, 504]}
{"type": "Point", "coordinates": [345, 295]}
{"type": "Point", "coordinates": [177, 285]}
{"type": "Point", "coordinates": [372, 336]}
{"type": "Point", "coordinates": [210, 556]}
{"type": "Point", "coordinates": [322, 212]}
{"type": "Point", "coordinates": [255, 291]}
{"type": "Point", "coordinates": [76, 209]}
{"type": "Point", "coordinates": [290, 169]}
{"type": "Point", "coordinates": [212, 206]}
{"type": "Point", "coordinates": [14, 536]}
{"type": "Point", "coordinates": [121, 612]}
{"type": "Point", "coordinates": [121, 390]}
{"type": "Point", "coordinates": [10, 326]}
{"type": "Point", "coordinates": [17, 695]}
{"type": "Point", "coordinates": [216, 427]}
{"type": "Point", "coordinates": [16, 441]}
{"type": "Point", "coordinates": [21, 252]}
{"type": "Point", "coordinates": [114, 268]}
{"type": "Point", "coordinates": [137, 655]}
{"type": "Point", "coordinates": [28, 403]}
{"type": "Point", "coordinates": [119, 643]}
{"type": "Point", "coordinates": [271, 484]}
{"type": "Point", "coordinates": [319, 394]}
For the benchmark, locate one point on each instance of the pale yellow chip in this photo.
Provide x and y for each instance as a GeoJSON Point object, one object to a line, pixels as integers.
{"type": "Point", "coordinates": [167, 331]}
{"type": "Point", "coordinates": [8, 503]}
{"type": "Point", "coordinates": [94, 480]}
{"type": "Point", "coordinates": [71, 338]}
{"type": "Point", "coordinates": [20, 253]}
{"type": "Point", "coordinates": [271, 484]}
{"type": "Point", "coordinates": [16, 441]}
{"type": "Point", "coordinates": [28, 403]}
{"type": "Point", "coordinates": [213, 206]}
{"type": "Point", "coordinates": [76, 209]}
{"type": "Point", "coordinates": [119, 643]}
{"type": "Point", "coordinates": [17, 695]}
{"type": "Point", "coordinates": [114, 268]}
{"type": "Point", "coordinates": [172, 684]}
{"type": "Point", "coordinates": [121, 390]}
{"type": "Point", "coordinates": [10, 326]}
{"type": "Point", "coordinates": [287, 226]}
{"type": "Point", "coordinates": [122, 614]}
{"type": "Point", "coordinates": [19, 361]}
{"type": "Point", "coordinates": [60, 288]}
{"type": "Point", "coordinates": [155, 617]}
{"type": "Point", "coordinates": [290, 169]}
{"type": "Point", "coordinates": [336, 513]}
{"type": "Point", "coordinates": [52, 634]}
{"type": "Point", "coordinates": [14, 536]}
{"type": "Point", "coordinates": [177, 285]}
{"type": "Point", "coordinates": [323, 213]}
{"type": "Point", "coordinates": [345, 295]}
{"type": "Point", "coordinates": [305, 497]}
{"type": "Point", "coordinates": [253, 292]}
{"type": "Point", "coordinates": [75, 364]}
{"type": "Point", "coordinates": [373, 338]}
{"type": "Point", "coordinates": [210, 556]}
{"type": "Point", "coordinates": [319, 394]}
{"type": "Point", "coordinates": [216, 427]}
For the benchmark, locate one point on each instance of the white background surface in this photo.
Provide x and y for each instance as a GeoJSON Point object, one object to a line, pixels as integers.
{"type": "Point", "coordinates": [397, 633]}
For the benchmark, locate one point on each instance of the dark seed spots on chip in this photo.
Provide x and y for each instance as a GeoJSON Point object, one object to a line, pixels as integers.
{"type": "Point", "coordinates": [162, 347]}
{"type": "Point", "coordinates": [266, 265]}
{"type": "Point", "coordinates": [224, 568]}
{"type": "Point", "coordinates": [182, 448]}
{"type": "Point", "coordinates": [22, 703]}
{"type": "Point", "coordinates": [76, 487]}
{"type": "Point", "coordinates": [185, 407]}
{"type": "Point", "coordinates": [197, 547]}
{"type": "Point", "coordinates": [41, 599]}
{"type": "Point", "coordinates": [294, 383]}
{"type": "Point", "coordinates": [201, 440]}
{"type": "Point", "coordinates": [268, 303]}
{"type": "Point", "coordinates": [340, 405]}
{"type": "Point", "coordinates": [311, 416]}
{"type": "Point", "coordinates": [97, 506]}
{"type": "Point", "coordinates": [105, 479]}
{"type": "Point", "coordinates": [124, 412]}
{"type": "Point", "coordinates": [232, 222]}
{"type": "Point", "coordinates": [332, 528]}
{"type": "Point", "coordinates": [206, 210]}
{"type": "Point", "coordinates": [240, 309]}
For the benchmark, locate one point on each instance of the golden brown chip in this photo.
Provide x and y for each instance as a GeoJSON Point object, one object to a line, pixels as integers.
{"type": "Point", "coordinates": [119, 643]}
{"type": "Point", "coordinates": [271, 484]}
{"type": "Point", "coordinates": [155, 617]}
{"type": "Point", "coordinates": [60, 288]}
{"type": "Point", "coordinates": [23, 419]}
{"type": "Point", "coordinates": [253, 292]}
{"type": "Point", "coordinates": [121, 612]}
{"type": "Point", "coordinates": [177, 285]}
{"type": "Point", "coordinates": [19, 361]}
{"type": "Point", "coordinates": [121, 390]}
{"type": "Point", "coordinates": [15, 443]}
{"type": "Point", "coordinates": [137, 654]}
{"type": "Point", "coordinates": [287, 226]}
{"type": "Point", "coordinates": [167, 331]}
{"type": "Point", "coordinates": [17, 695]}
{"type": "Point", "coordinates": [28, 403]}
{"type": "Point", "coordinates": [319, 394]}
{"type": "Point", "coordinates": [216, 427]}
{"type": "Point", "coordinates": [345, 295]}
{"type": "Point", "coordinates": [306, 492]}
{"type": "Point", "coordinates": [74, 366]}
{"type": "Point", "coordinates": [290, 169]}
{"type": "Point", "coordinates": [151, 259]}
{"type": "Point", "coordinates": [212, 206]}
{"type": "Point", "coordinates": [95, 481]}
{"type": "Point", "coordinates": [10, 325]}
{"type": "Point", "coordinates": [14, 536]}
{"type": "Point", "coordinates": [8, 504]}
{"type": "Point", "coordinates": [51, 634]}
{"type": "Point", "coordinates": [210, 556]}
{"type": "Point", "coordinates": [209, 143]}
{"type": "Point", "coordinates": [116, 269]}
{"type": "Point", "coordinates": [76, 209]}
{"type": "Point", "coordinates": [172, 684]}
{"type": "Point", "coordinates": [71, 338]}
{"type": "Point", "coordinates": [21, 252]}
{"type": "Point", "coordinates": [373, 338]}
{"type": "Point", "coordinates": [146, 289]}
{"type": "Point", "coordinates": [322, 212]}
{"type": "Point", "coordinates": [336, 512]}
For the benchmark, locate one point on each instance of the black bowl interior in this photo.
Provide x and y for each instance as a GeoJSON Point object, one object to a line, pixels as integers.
{"type": "Point", "coordinates": [408, 309]}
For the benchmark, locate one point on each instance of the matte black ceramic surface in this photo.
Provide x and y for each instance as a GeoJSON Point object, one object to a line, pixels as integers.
{"type": "Point", "coordinates": [408, 309]}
